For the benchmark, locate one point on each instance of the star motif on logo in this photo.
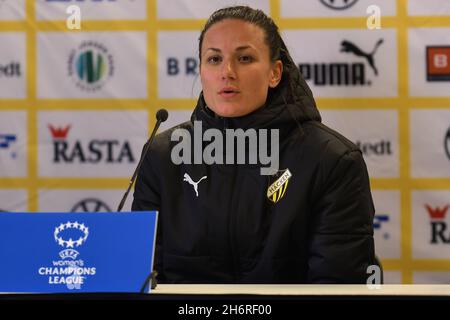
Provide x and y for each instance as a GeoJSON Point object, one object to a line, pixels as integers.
{"type": "Point", "coordinates": [70, 243]}
{"type": "Point", "coordinates": [71, 225]}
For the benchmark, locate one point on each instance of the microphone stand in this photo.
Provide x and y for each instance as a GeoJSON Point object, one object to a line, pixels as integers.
{"type": "Point", "coordinates": [161, 116]}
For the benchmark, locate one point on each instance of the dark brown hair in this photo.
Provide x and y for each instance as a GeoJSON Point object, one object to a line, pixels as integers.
{"type": "Point", "coordinates": [254, 16]}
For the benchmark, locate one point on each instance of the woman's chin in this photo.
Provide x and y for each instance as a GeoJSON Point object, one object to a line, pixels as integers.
{"type": "Point", "coordinates": [230, 111]}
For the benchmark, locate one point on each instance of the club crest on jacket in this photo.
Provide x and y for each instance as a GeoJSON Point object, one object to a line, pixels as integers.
{"type": "Point", "coordinates": [277, 189]}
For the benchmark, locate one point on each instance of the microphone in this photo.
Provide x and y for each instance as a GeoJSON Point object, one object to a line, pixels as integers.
{"type": "Point", "coordinates": [161, 116]}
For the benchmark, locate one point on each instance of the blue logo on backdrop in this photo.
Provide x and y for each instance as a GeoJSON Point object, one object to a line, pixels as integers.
{"type": "Point", "coordinates": [188, 66]}
{"type": "Point", "coordinates": [6, 141]}
{"type": "Point", "coordinates": [378, 221]}
{"type": "Point", "coordinates": [82, 252]}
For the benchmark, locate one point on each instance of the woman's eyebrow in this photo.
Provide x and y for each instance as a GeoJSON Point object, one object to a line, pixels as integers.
{"type": "Point", "coordinates": [241, 48]}
{"type": "Point", "coordinates": [214, 49]}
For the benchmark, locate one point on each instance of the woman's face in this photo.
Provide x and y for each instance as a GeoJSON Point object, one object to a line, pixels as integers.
{"type": "Point", "coordinates": [235, 68]}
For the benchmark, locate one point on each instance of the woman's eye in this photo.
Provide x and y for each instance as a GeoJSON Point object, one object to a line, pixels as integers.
{"type": "Point", "coordinates": [214, 59]}
{"type": "Point", "coordinates": [245, 58]}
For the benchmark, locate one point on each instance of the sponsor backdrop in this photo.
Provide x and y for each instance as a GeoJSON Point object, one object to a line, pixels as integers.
{"type": "Point", "coordinates": [76, 106]}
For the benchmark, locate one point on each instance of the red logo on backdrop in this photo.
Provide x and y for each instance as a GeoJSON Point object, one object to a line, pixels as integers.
{"type": "Point", "coordinates": [439, 232]}
{"type": "Point", "coordinates": [90, 151]}
{"type": "Point", "coordinates": [438, 63]}
{"type": "Point", "coordinates": [59, 132]}
{"type": "Point", "coordinates": [437, 213]}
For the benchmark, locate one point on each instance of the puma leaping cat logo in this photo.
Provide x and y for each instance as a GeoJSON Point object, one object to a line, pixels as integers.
{"type": "Point", "coordinates": [189, 180]}
{"type": "Point", "coordinates": [347, 46]}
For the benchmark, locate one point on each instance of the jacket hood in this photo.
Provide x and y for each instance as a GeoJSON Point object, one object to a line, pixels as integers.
{"type": "Point", "coordinates": [285, 106]}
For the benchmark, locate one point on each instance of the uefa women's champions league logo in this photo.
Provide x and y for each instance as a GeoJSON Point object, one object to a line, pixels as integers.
{"type": "Point", "coordinates": [68, 271]}
{"type": "Point", "coordinates": [69, 243]}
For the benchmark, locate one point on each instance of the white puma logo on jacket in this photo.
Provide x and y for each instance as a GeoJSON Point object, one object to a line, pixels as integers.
{"type": "Point", "coordinates": [189, 180]}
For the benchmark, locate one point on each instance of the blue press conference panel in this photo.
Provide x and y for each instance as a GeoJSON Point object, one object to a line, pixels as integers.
{"type": "Point", "coordinates": [76, 252]}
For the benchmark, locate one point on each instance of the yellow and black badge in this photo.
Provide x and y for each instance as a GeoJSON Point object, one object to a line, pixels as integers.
{"type": "Point", "coordinates": [277, 189]}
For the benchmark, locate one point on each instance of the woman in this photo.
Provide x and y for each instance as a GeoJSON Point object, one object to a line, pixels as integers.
{"type": "Point", "coordinates": [310, 222]}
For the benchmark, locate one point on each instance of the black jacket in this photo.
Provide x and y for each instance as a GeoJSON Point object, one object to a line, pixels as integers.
{"type": "Point", "coordinates": [320, 230]}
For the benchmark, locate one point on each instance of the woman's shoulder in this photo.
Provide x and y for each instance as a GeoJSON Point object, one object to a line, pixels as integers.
{"type": "Point", "coordinates": [162, 139]}
{"type": "Point", "coordinates": [159, 151]}
{"type": "Point", "coordinates": [325, 141]}
{"type": "Point", "coordinates": [332, 156]}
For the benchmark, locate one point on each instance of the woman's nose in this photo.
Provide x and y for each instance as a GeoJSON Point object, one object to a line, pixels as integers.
{"type": "Point", "coordinates": [228, 70]}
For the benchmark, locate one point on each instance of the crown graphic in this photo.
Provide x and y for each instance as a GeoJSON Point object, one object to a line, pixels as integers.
{"type": "Point", "coordinates": [59, 132]}
{"type": "Point", "coordinates": [437, 213]}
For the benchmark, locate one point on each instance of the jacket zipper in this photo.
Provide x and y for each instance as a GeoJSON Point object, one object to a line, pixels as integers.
{"type": "Point", "coordinates": [232, 223]}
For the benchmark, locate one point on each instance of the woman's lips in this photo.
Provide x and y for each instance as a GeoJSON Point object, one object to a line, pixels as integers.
{"type": "Point", "coordinates": [228, 92]}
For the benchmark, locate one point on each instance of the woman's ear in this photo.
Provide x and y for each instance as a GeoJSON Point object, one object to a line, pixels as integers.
{"type": "Point", "coordinates": [275, 76]}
